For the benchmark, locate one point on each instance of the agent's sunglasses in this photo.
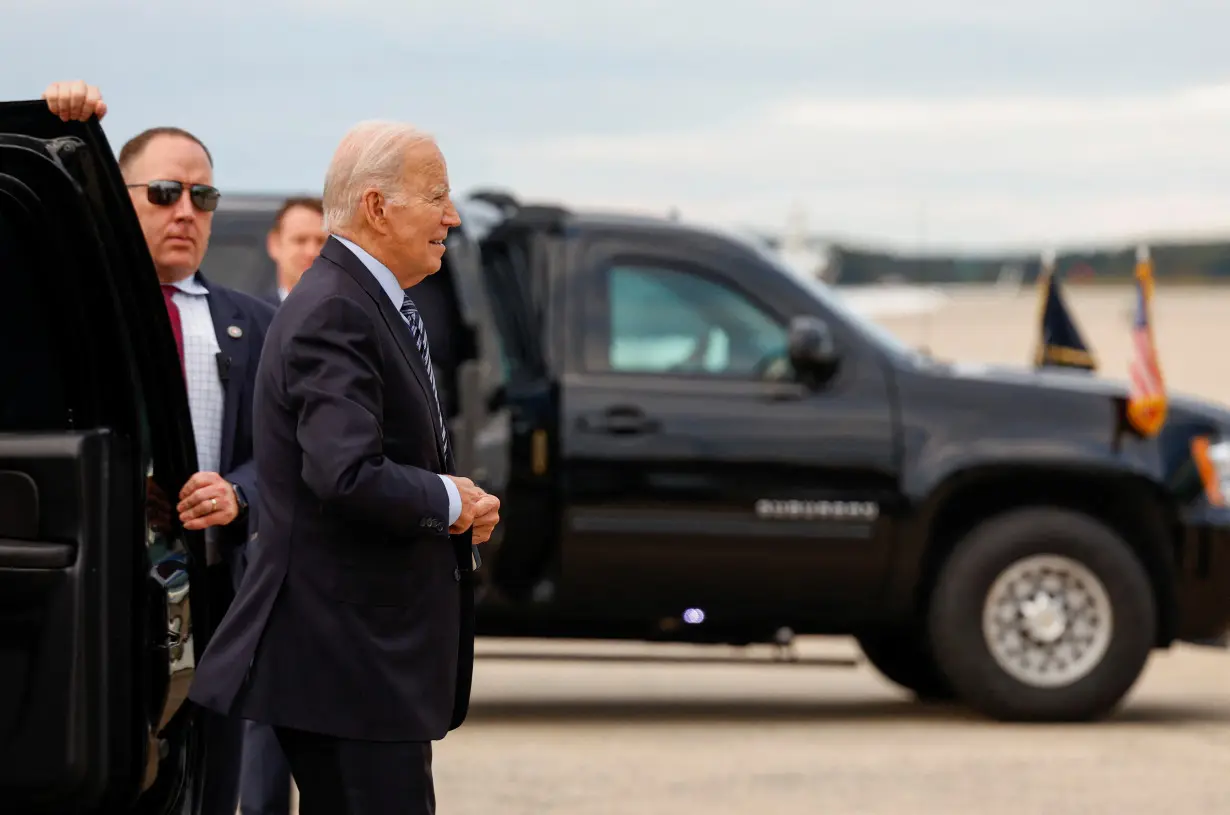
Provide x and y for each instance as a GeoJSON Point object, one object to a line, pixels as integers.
{"type": "Point", "coordinates": [165, 193]}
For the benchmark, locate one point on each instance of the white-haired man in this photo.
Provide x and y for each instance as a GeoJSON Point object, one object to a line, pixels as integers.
{"type": "Point", "coordinates": [352, 633]}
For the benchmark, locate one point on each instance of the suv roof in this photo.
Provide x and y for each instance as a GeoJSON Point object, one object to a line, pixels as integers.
{"type": "Point", "coordinates": [492, 208]}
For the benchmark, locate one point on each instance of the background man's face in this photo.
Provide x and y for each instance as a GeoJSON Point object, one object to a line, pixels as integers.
{"type": "Point", "coordinates": [295, 243]}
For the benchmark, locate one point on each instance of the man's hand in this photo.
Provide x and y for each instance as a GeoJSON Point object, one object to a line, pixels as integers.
{"type": "Point", "coordinates": [75, 101]}
{"type": "Point", "coordinates": [470, 494]}
{"type": "Point", "coordinates": [486, 516]}
{"type": "Point", "coordinates": [207, 499]}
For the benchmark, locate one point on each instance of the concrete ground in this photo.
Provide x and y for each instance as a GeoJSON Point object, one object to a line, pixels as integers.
{"type": "Point", "coordinates": [592, 738]}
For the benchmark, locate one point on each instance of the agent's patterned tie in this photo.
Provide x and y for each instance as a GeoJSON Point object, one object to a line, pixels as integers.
{"type": "Point", "coordinates": [419, 332]}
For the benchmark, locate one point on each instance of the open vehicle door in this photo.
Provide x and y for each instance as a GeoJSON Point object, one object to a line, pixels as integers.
{"type": "Point", "coordinates": [516, 262]}
{"type": "Point", "coordinates": [96, 637]}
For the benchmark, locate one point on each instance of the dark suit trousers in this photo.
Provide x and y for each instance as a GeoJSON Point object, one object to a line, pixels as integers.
{"type": "Point", "coordinates": [264, 776]}
{"type": "Point", "coordinates": [223, 734]}
{"type": "Point", "coordinates": [264, 782]}
{"type": "Point", "coordinates": [224, 745]}
{"type": "Point", "coordinates": [344, 777]}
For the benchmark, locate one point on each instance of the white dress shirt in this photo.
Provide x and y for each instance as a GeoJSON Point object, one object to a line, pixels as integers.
{"type": "Point", "coordinates": [206, 397]}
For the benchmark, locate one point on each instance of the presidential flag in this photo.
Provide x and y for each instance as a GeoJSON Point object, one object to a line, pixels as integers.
{"type": "Point", "coordinates": [1146, 408]}
{"type": "Point", "coordinates": [1060, 343]}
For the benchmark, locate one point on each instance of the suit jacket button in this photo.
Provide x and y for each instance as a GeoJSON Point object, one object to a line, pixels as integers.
{"type": "Point", "coordinates": [457, 575]}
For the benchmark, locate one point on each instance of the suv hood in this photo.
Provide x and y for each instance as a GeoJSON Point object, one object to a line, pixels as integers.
{"type": "Point", "coordinates": [1181, 406]}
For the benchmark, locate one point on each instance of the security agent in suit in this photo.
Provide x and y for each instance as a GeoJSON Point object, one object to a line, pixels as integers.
{"type": "Point", "coordinates": [353, 630]}
{"type": "Point", "coordinates": [218, 334]}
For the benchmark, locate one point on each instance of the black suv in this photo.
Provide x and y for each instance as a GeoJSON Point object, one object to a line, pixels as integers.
{"type": "Point", "coordinates": [691, 444]}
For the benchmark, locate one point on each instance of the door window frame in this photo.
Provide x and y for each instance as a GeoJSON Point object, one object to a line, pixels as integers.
{"type": "Point", "coordinates": [596, 336]}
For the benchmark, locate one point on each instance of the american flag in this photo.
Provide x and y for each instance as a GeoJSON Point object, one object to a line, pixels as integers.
{"type": "Point", "coordinates": [1146, 408]}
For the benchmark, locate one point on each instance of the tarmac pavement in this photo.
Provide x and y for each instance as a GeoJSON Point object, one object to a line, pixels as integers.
{"type": "Point", "coordinates": [671, 738]}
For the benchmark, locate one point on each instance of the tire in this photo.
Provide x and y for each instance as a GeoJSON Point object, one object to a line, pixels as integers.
{"type": "Point", "coordinates": [1107, 625]}
{"type": "Point", "coordinates": [903, 657]}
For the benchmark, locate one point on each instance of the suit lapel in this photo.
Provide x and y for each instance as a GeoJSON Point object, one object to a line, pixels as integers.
{"type": "Point", "coordinates": [231, 328]}
{"type": "Point", "coordinates": [333, 250]}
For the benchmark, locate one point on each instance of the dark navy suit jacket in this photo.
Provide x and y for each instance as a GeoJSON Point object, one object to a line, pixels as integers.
{"type": "Point", "coordinates": [240, 324]}
{"type": "Point", "coordinates": [355, 616]}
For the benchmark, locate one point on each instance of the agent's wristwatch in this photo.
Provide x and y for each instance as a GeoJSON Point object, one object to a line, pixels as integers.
{"type": "Point", "coordinates": [240, 499]}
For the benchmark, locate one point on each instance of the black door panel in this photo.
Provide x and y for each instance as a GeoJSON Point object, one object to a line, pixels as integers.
{"type": "Point", "coordinates": [688, 444]}
{"type": "Point", "coordinates": [63, 657]}
{"type": "Point", "coordinates": [18, 505]}
{"type": "Point", "coordinates": [92, 410]}
{"type": "Point", "coordinates": [519, 556]}
{"type": "Point", "coordinates": [18, 554]}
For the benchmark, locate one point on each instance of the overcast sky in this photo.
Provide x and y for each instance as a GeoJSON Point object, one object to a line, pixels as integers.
{"type": "Point", "coordinates": [944, 123]}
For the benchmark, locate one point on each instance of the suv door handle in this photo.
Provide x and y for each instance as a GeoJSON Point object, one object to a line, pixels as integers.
{"type": "Point", "coordinates": [618, 421]}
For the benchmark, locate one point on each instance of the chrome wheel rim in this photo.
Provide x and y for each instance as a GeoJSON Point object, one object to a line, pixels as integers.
{"type": "Point", "coordinates": [1047, 621]}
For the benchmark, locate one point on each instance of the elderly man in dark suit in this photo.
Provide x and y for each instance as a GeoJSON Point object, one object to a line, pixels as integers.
{"type": "Point", "coordinates": [219, 334]}
{"type": "Point", "coordinates": [353, 630]}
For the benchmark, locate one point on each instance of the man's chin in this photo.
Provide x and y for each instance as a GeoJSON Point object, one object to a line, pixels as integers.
{"type": "Point", "coordinates": [176, 265]}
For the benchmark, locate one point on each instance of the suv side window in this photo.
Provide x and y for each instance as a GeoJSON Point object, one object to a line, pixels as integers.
{"type": "Point", "coordinates": [669, 321]}
{"type": "Point", "coordinates": [35, 391]}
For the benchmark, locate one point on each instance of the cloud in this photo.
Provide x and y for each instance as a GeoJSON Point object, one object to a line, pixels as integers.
{"type": "Point", "coordinates": [986, 168]}
{"type": "Point", "coordinates": [946, 122]}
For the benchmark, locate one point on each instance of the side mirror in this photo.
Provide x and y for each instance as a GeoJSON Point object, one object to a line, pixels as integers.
{"type": "Point", "coordinates": [813, 352]}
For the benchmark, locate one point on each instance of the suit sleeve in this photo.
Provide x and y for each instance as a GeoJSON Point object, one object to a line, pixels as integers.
{"type": "Point", "coordinates": [244, 473]}
{"type": "Point", "coordinates": [333, 375]}
{"type": "Point", "coordinates": [245, 476]}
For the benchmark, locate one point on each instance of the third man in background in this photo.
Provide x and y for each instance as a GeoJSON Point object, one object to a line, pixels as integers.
{"type": "Point", "coordinates": [293, 243]}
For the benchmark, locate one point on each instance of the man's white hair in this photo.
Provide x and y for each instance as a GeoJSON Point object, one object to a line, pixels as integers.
{"type": "Point", "coordinates": [370, 156]}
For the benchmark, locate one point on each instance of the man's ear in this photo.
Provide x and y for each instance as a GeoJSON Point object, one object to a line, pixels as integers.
{"type": "Point", "coordinates": [270, 239]}
{"type": "Point", "coordinates": [373, 208]}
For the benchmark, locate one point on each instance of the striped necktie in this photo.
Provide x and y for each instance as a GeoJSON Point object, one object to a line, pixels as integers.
{"type": "Point", "coordinates": [419, 333]}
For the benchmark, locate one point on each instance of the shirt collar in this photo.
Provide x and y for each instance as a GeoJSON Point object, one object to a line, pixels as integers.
{"type": "Point", "coordinates": [191, 285]}
{"type": "Point", "coordinates": [383, 276]}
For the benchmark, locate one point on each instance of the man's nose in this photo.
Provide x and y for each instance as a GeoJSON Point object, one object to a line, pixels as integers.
{"type": "Point", "coordinates": [451, 216]}
{"type": "Point", "coordinates": [183, 207]}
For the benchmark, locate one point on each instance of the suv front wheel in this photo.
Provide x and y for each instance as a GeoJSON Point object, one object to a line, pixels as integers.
{"type": "Point", "coordinates": [1042, 614]}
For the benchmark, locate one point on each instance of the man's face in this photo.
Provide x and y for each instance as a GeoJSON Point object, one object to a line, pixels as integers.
{"type": "Point", "coordinates": [418, 227]}
{"type": "Point", "coordinates": [177, 234]}
{"type": "Point", "coordinates": [295, 243]}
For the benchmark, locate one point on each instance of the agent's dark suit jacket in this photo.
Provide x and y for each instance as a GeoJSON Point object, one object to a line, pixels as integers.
{"type": "Point", "coordinates": [355, 617]}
